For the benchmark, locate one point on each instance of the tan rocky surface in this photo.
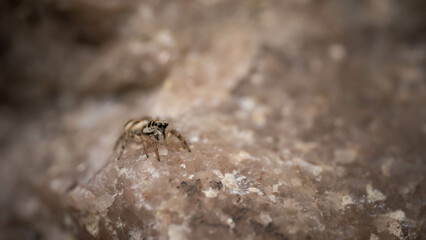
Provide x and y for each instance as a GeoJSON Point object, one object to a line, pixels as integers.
{"type": "Point", "coordinates": [306, 120]}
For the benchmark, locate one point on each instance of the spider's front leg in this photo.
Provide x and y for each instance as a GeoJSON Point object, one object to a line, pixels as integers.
{"type": "Point", "coordinates": [143, 141]}
{"type": "Point", "coordinates": [154, 143]}
{"type": "Point", "coordinates": [177, 134]}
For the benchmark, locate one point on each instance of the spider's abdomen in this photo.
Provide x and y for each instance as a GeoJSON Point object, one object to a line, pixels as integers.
{"type": "Point", "coordinates": [135, 124]}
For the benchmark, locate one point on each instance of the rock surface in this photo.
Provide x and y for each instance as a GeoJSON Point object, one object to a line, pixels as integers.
{"type": "Point", "coordinates": [306, 120]}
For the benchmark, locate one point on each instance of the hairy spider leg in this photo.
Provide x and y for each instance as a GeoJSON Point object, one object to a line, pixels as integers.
{"type": "Point", "coordinates": [144, 147]}
{"type": "Point", "coordinates": [123, 145]}
{"type": "Point", "coordinates": [177, 134]}
{"type": "Point", "coordinates": [143, 141]}
{"type": "Point", "coordinates": [119, 140]}
{"type": "Point", "coordinates": [154, 143]}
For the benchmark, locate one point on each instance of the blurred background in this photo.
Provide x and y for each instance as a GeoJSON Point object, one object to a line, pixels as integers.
{"type": "Point", "coordinates": [342, 73]}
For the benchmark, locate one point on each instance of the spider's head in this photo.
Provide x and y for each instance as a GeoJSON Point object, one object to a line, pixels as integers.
{"type": "Point", "coordinates": [160, 129]}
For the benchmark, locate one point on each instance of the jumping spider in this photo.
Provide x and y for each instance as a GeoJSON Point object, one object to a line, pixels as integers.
{"type": "Point", "coordinates": [146, 129]}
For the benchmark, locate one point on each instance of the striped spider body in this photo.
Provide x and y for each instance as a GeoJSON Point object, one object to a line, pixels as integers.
{"type": "Point", "coordinates": [147, 130]}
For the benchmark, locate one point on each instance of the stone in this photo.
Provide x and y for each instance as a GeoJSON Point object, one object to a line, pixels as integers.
{"type": "Point", "coordinates": [305, 120]}
{"type": "Point", "coordinates": [374, 195]}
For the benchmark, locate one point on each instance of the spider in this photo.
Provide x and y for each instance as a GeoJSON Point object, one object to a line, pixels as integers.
{"type": "Point", "coordinates": [146, 129]}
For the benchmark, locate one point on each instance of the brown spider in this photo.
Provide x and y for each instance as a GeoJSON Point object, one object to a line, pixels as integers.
{"type": "Point", "coordinates": [141, 130]}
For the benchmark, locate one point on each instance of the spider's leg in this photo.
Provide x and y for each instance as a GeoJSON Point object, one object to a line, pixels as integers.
{"type": "Point", "coordinates": [143, 140]}
{"type": "Point", "coordinates": [138, 137]}
{"type": "Point", "coordinates": [119, 140]}
{"type": "Point", "coordinates": [154, 143]}
{"type": "Point", "coordinates": [123, 145]}
{"type": "Point", "coordinates": [177, 134]}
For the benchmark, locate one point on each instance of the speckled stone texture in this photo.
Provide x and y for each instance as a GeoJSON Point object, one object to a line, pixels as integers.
{"type": "Point", "coordinates": [306, 120]}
